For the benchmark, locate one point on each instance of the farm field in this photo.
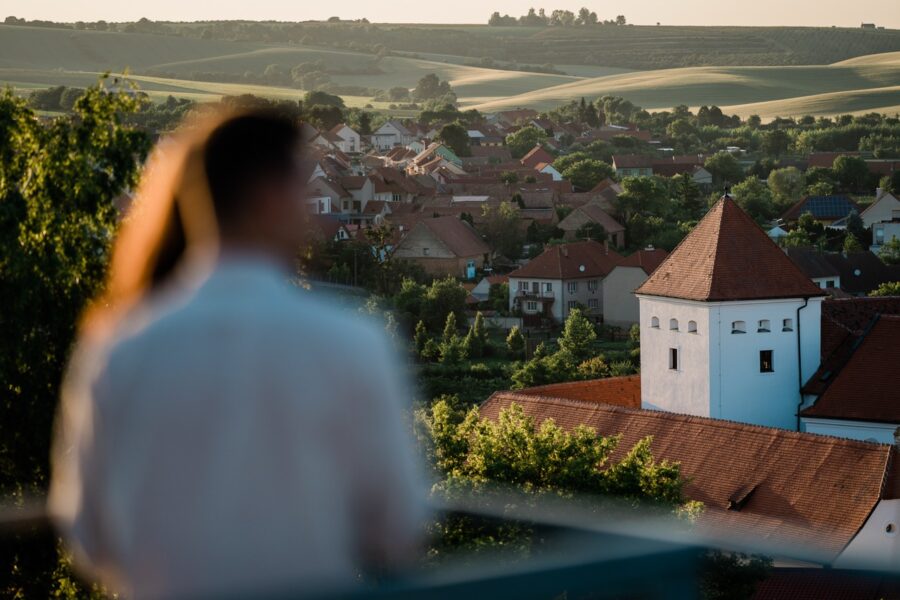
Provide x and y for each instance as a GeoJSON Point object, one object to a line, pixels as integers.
{"type": "Point", "coordinates": [32, 57]}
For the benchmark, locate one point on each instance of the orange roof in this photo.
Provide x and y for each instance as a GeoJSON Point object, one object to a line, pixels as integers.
{"type": "Point", "coordinates": [728, 257]}
{"type": "Point", "coordinates": [810, 490]}
{"type": "Point", "coordinates": [648, 260]}
{"type": "Point", "coordinates": [571, 261]}
{"type": "Point", "coordinates": [536, 156]}
{"type": "Point", "coordinates": [457, 235]}
{"type": "Point", "coordinates": [867, 387]}
{"type": "Point", "coordinates": [619, 391]}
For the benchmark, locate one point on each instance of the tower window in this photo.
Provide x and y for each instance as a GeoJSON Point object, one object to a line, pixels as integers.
{"type": "Point", "coordinates": [765, 362]}
{"type": "Point", "coordinates": [654, 322]}
{"type": "Point", "coordinates": [673, 324]}
{"type": "Point", "coordinates": [673, 359]}
{"type": "Point", "coordinates": [692, 326]}
{"type": "Point", "coordinates": [787, 324]}
{"type": "Point", "coordinates": [764, 326]}
{"type": "Point", "coordinates": [738, 327]}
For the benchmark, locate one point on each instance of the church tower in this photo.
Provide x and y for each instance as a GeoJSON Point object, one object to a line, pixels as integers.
{"type": "Point", "coordinates": [730, 327]}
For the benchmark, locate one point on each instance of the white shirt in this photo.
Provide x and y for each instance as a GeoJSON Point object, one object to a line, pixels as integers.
{"type": "Point", "coordinates": [237, 434]}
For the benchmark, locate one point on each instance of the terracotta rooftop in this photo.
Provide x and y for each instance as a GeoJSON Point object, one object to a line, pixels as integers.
{"type": "Point", "coordinates": [536, 156]}
{"type": "Point", "coordinates": [457, 235]}
{"type": "Point", "coordinates": [782, 486]}
{"type": "Point", "coordinates": [618, 391]}
{"type": "Point", "coordinates": [867, 386]}
{"type": "Point", "coordinates": [593, 211]}
{"type": "Point", "coordinates": [816, 584]}
{"type": "Point", "coordinates": [648, 260]}
{"type": "Point", "coordinates": [577, 260]}
{"type": "Point", "coordinates": [728, 257]}
{"type": "Point", "coordinates": [632, 161]}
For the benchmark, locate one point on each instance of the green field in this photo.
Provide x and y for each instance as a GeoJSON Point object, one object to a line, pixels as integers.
{"type": "Point", "coordinates": [33, 57]}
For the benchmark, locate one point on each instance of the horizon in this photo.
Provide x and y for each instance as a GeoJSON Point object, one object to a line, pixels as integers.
{"type": "Point", "coordinates": [698, 13]}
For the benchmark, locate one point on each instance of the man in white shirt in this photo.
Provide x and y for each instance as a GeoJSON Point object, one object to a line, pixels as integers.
{"type": "Point", "coordinates": [233, 434]}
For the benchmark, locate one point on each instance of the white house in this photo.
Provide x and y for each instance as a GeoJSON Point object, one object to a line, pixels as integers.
{"type": "Point", "coordinates": [561, 278]}
{"type": "Point", "coordinates": [620, 305]}
{"type": "Point", "coordinates": [348, 140]}
{"type": "Point", "coordinates": [392, 133]}
{"type": "Point", "coordinates": [730, 327]}
{"type": "Point", "coordinates": [885, 208]}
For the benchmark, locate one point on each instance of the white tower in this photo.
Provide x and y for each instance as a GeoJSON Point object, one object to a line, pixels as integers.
{"type": "Point", "coordinates": [730, 327]}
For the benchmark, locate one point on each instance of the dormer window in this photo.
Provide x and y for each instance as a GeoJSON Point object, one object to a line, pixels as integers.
{"type": "Point", "coordinates": [673, 324]}
{"type": "Point", "coordinates": [787, 324]}
{"type": "Point", "coordinates": [738, 327]}
{"type": "Point", "coordinates": [692, 326]}
{"type": "Point", "coordinates": [764, 326]}
{"type": "Point", "coordinates": [654, 322]}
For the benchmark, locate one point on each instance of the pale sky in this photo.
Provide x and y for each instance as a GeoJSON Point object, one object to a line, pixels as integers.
{"type": "Point", "coordinates": [642, 12]}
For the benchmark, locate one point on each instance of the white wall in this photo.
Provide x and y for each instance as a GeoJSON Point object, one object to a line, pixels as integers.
{"type": "Point", "coordinates": [620, 305]}
{"type": "Point", "coordinates": [874, 547]}
{"type": "Point", "coordinates": [882, 433]}
{"type": "Point", "coordinates": [718, 374]}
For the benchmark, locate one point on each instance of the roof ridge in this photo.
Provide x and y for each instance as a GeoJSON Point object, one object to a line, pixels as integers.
{"type": "Point", "coordinates": [661, 414]}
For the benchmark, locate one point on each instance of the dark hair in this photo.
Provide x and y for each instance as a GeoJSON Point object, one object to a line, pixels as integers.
{"type": "Point", "coordinates": [244, 151]}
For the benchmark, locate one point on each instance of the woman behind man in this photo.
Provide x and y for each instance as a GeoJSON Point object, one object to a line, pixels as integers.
{"type": "Point", "coordinates": [220, 431]}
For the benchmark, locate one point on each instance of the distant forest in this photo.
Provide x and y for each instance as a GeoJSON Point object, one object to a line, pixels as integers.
{"type": "Point", "coordinates": [536, 41]}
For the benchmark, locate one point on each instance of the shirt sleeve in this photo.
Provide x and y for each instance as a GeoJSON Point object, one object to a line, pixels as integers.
{"type": "Point", "coordinates": [391, 498]}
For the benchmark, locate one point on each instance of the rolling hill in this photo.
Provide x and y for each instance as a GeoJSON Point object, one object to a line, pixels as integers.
{"type": "Point", "coordinates": [32, 57]}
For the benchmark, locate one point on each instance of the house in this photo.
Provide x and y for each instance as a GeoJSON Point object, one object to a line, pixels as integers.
{"type": "Point", "coordinates": [729, 325]}
{"type": "Point", "coordinates": [632, 165]}
{"type": "Point", "coordinates": [361, 189]}
{"type": "Point", "coordinates": [444, 246]}
{"type": "Point", "coordinates": [482, 290]}
{"type": "Point", "coordinates": [620, 305]}
{"type": "Point", "coordinates": [536, 156]}
{"type": "Point", "coordinates": [328, 227]}
{"type": "Point", "coordinates": [338, 199]}
{"type": "Point", "coordinates": [508, 118]}
{"type": "Point", "coordinates": [347, 139]}
{"type": "Point", "coordinates": [592, 213]}
{"type": "Point", "coordinates": [816, 266]}
{"type": "Point", "coordinates": [548, 169]}
{"type": "Point", "coordinates": [854, 273]}
{"type": "Point", "coordinates": [561, 278]}
{"type": "Point", "coordinates": [392, 133]}
{"type": "Point", "coordinates": [856, 392]}
{"type": "Point", "coordinates": [838, 499]}
{"type": "Point", "coordinates": [825, 209]}
{"type": "Point", "coordinates": [886, 208]}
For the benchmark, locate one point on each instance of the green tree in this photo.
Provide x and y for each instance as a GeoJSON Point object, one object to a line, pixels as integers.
{"type": "Point", "coordinates": [522, 141]}
{"type": "Point", "coordinates": [420, 339]}
{"type": "Point", "coordinates": [890, 252]}
{"type": "Point", "coordinates": [456, 137]}
{"type": "Point", "coordinates": [578, 336]}
{"type": "Point", "coordinates": [323, 99]}
{"type": "Point", "coordinates": [586, 174]}
{"type": "Point", "coordinates": [857, 229]}
{"type": "Point", "coordinates": [787, 185]}
{"type": "Point", "coordinates": [724, 168]}
{"type": "Point", "coordinates": [755, 198]}
{"type": "Point", "coordinates": [776, 142]}
{"type": "Point", "coordinates": [431, 87]}
{"type": "Point", "coordinates": [887, 289]}
{"type": "Point", "coordinates": [851, 243]}
{"type": "Point", "coordinates": [500, 227]}
{"type": "Point", "coordinates": [58, 179]}
{"type": "Point", "coordinates": [686, 194]}
{"type": "Point", "coordinates": [851, 173]}
{"type": "Point", "coordinates": [515, 342]}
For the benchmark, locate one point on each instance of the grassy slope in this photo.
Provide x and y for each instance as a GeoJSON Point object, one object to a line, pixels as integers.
{"type": "Point", "coordinates": [36, 57]}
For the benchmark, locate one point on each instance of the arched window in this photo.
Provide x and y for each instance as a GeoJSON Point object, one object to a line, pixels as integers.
{"type": "Point", "coordinates": [654, 322]}
{"type": "Point", "coordinates": [673, 324]}
{"type": "Point", "coordinates": [692, 326]}
{"type": "Point", "coordinates": [738, 327]}
{"type": "Point", "coordinates": [787, 324]}
{"type": "Point", "coordinates": [764, 326]}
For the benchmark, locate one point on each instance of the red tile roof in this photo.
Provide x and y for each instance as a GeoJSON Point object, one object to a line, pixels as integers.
{"type": "Point", "coordinates": [867, 386]}
{"type": "Point", "coordinates": [805, 489]}
{"type": "Point", "coordinates": [632, 161]}
{"type": "Point", "coordinates": [618, 391]}
{"type": "Point", "coordinates": [817, 584]}
{"type": "Point", "coordinates": [648, 260]}
{"type": "Point", "coordinates": [536, 156]}
{"type": "Point", "coordinates": [457, 235]}
{"type": "Point", "coordinates": [728, 257]}
{"type": "Point", "coordinates": [571, 261]}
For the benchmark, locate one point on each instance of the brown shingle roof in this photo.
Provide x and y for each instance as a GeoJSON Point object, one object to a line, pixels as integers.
{"type": "Point", "coordinates": [618, 391]}
{"type": "Point", "coordinates": [457, 235]}
{"type": "Point", "coordinates": [571, 261]}
{"type": "Point", "coordinates": [816, 584]}
{"type": "Point", "coordinates": [867, 387]}
{"type": "Point", "coordinates": [811, 490]}
{"type": "Point", "coordinates": [728, 257]}
{"type": "Point", "coordinates": [536, 156]}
